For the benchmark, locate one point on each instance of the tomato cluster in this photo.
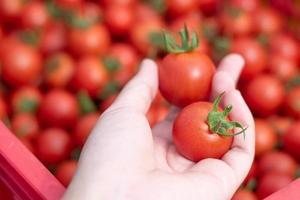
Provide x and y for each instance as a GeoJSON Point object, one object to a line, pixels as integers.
{"type": "Point", "coordinates": [63, 63]}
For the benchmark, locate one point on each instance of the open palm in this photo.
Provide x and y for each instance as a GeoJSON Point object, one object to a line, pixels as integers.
{"type": "Point", "coordinates": [124, 159]}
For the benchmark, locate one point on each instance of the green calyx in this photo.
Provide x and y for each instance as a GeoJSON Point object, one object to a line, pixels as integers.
{"type": "Point", "coordinates": [186, 46]}
{"type": "Point", "coordinates": [218, 122]}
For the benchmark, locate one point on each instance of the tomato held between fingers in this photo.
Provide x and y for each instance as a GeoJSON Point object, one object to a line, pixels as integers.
{"type": "Point", "coordinates": [65, 171]}
{"type": "Point", "coordinates": [244, 194]}
{"type": "Point", "coordinates": [291, 140]}
{"type": "Point", "coordinates": [25, 125]}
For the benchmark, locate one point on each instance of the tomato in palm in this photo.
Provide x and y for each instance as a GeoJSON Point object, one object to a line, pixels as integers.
{"type": "Point", "coordinates": [202, 130]}
{"type": "Point", "coordinates": [254, 55]}
{"type": "Point", "coordinates": [84, 127]}
{"type": "Point", "coordinates": [59, 69]}
{"type": "Point", "coordinates": [53, 145]}
{"type": "Point", "coordinates": [292, 102]}
{"type": "Point", "coordinates": [291, 139]}
{"type": "Point", "coordinates": [277, 161]}
{"type": "Point", "coordinates": [179, 7]}
{"type": "Point", "coordinates": [264, 94]}
{"type": "Point", "coordinates": [35, 15]}
{"type": "Point", "coordinates": [271, 183]}
{"type": "Point", "coordinates": [59, 108]}
{"type": "Point", "coordinates": [21, 64]}
{"type": "Point", "coordinates": [268, 21]}
{"type": "Point", "coordinates": [122, 61]}
{"type": "Point", "coordinates": [196, 71]}
{"type": "Point", "coordinates": [25, 125]}
{"type": "Point", "coordinates": [26, 100]}
{"type": "Point", "coordinates": [265, 137]}
{"type": "Point", "coordinates": [244, 194]}
{"type": "Point", "coordinates": [94, 39]}
{"type": "Point", "coordinates": [65, 171]}
{"type": "Point", "coordinates": [90, 75]}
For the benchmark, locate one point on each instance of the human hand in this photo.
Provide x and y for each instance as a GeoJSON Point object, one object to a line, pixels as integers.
{"type": "Point", "coordinates": [124, 159]}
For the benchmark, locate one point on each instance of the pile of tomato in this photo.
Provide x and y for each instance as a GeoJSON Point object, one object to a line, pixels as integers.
{"type": "Point", "coordinates": [63, 62]}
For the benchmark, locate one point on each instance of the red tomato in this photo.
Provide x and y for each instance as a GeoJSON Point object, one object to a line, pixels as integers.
{"type": "Point", "coordinates": [254, 55]}
{"type": "Point", "coordinates": [271, 183]}
{"type": "Point", "coordinates": [292, 102]}
{"type": "Point", "coordinates": [251, 174]}
{"type": "Point", "coordinates": [107, 102]}
{"type": "Point", "coordinates": [126, 60]}
{"type": "Point", "coordinates": [69, 3]}
{"type": "Point", "coordinates": [21, 64]}
{"type": "Point", "coordinates": [94, 39]}
{"type": "Point", "coordinates": [144, 12]}
{"type": "Point", "coordinates": [53, 38]}
{"type": "Point", "coordinates": [192, 136]}
{"type": "Point", "coordinates": [65, 171]}
{"type": "Point", "coordinates": [90, 75]}
{"type": "Point", "coordinates": [120, 2]}
{"type": "Point", "coordinates": [196, 72]}
{"type": "Point", "coordinates": [178, 7]}
{"type": "Point", "coordinates": [280, 124]}
{"type": "Point", "coordinates": [264, 94]}
{"type": "Point", "coordinates": [282, 67]}
{"type": "Point", "coordinates": [35, 15]}
{"type": "Point", "coordinates": [247, 5]}
{"type": "Point", "coordinates": [26, 99]}
{"type": "Point", "coordinates": [265, 137]}
{"type": "Point", "coordinates": [59, 69]}
{"type": "Point", "coordinates": [53, 145]}
{"type": "Point", "coordinates": [59, 108]}
{"type": "Point", "coordinates": [244, 194]}
{"type": "Point", "coordinates": [209, 6]}
{"type": "Point", "coordinates": [291, 139]}
{"type": "Point", "coordinates": [192, 20]}
{"type": "Point", "coordinates": [120, 23]}
{"type": "Point", "coordinates": [3, 109]}
{"type": "Point", "coordinates": [28, 144]}
{"type": "Point", "coordinates": [268, 21]}
{"type": "Point", "coordinates": [11, 9]}
{"type": "Point", "coordinates": [277, 161]}
{"type": "Point", "coordinates": [162, 113]}
{"type": "Point", "coordinates": [25, 125]}
{"type": "Point", "coordinates": [84, 127]}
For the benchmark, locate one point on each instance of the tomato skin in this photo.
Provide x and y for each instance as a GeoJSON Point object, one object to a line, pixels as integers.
{"type": "Point", "coordinates": [179, 7]}
{"type": "Point", "coordinates": [291, 139]}
{"type": "Point", "coordinates": [90, 75]}
{"type": "Point", "coordinates": [59, 108]}
{"type": "Point", "coordinates": [59, 70]}
{"type": "Point", "coordinates": [26, 100]}
{"type": "Point", "coordinates": [244, 194]}
{"type": "Point", "coordinates": [268, 21]}
{"type": "Point", "coordinates": [35, 15]}
{"type": "Point", "coordinates": [196, 72]}
{"type": "Point", "coordinates": [271, 183]}
{"type": "Point", "coordinates": [84, 127]}
{"type": "Point", "coordinates": [265, 137]}
{"type": "Point", "coordinates": [91, 40]}
{"type": "Point", "coordinates": [192, 137]}
{"type": "Point", "coordinates": [247, 5]}
{"type": "Point", "coordinates": [266, 100]}
{"type": "Point", "coordinates": [292, 102]}
{"type": "Point", "coordinates": [21, 64]}
{"type": "Point", "coordinates": [277, 161]}
{"type": "Point", "coordinates": [53, 145]}
{"type": "Point", "coordinates": [254, 55]}
{"type": "Point", "coordinates": [25, 125]}
{"type": "Point", "coordinates": [65, 171]}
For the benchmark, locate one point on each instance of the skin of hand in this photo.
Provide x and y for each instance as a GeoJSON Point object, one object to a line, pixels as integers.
{"type": "Point", "coordinates": [123, 159]}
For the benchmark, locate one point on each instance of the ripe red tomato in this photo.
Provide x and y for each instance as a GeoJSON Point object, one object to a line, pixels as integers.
{"type": "Point", "coordinates": [21, 64]}
{"type": "Point", "coordinates": [196, 72]}
{"type": "Point", "coordinates": [244, 194]}
{"type": "Point", "coordinates": [59, 70]}
{"type": "Point", "coordinates": [179, 7]}
{"type": "Point", "coordinates": [120, 2]}
{"type": "Point", "coordinates": [122, 60]}
{"type": "Point", "coordinates": [65, 171]}
{"type": "Point", "coordinates": [107, 102]}
{"type": "Point", "coordinates": [90, 75]}
{"type": "Point", "coordinates": [25, 125]}
{"type": "Point", "coordinates": [53, 145]}
{"type": "Point", "coordinates": [28, 143]}
{"type": "Point", "coordinates": [264, 94]}
{"type": "Point", "coordinates": [94, 39]}
{"type": "Point", "coordinates": [292, 102]}
{"type": "Point", "coordinates": [11, 9]}
{"type": "Point", "coordinates": [84, 127]}
{"type": "Point", "coordinates": [254, 55]}
{"type": "Point", "coordinates": [69, 4]}
{"type": "Point", "coordinates": [247, 5]}
{"type": "Point", "coordinates": [285, 69]}
{"type": "Point", "coordinates": [291, 139]}
{"type": "Point", "coordinates": [265, 137]}
{"type": "Point", "coordinates": [59, 108]}
{"type": "Point", "coordinates": [3, 109]}
{"type": "Point", "coordinates": [280, 124]}
{"type": "Point", "coordinates": [121, 23]}
{"type": "Point", "coordinates": [268, 21]}
{"type": "Point", "coordinates": [271, 183]}
{"type": "Point", "coordinates": [26, 99]}
{"type": "Point", "coordinates": [277, 161]}
{"type": "Point", "coordinates": [209, 7]}
{"type": "Point", "coordinates": [35, 15]}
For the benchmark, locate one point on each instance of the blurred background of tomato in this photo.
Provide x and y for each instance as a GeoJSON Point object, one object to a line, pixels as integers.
{"type": "Point", "coordinates": [63, 63]}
